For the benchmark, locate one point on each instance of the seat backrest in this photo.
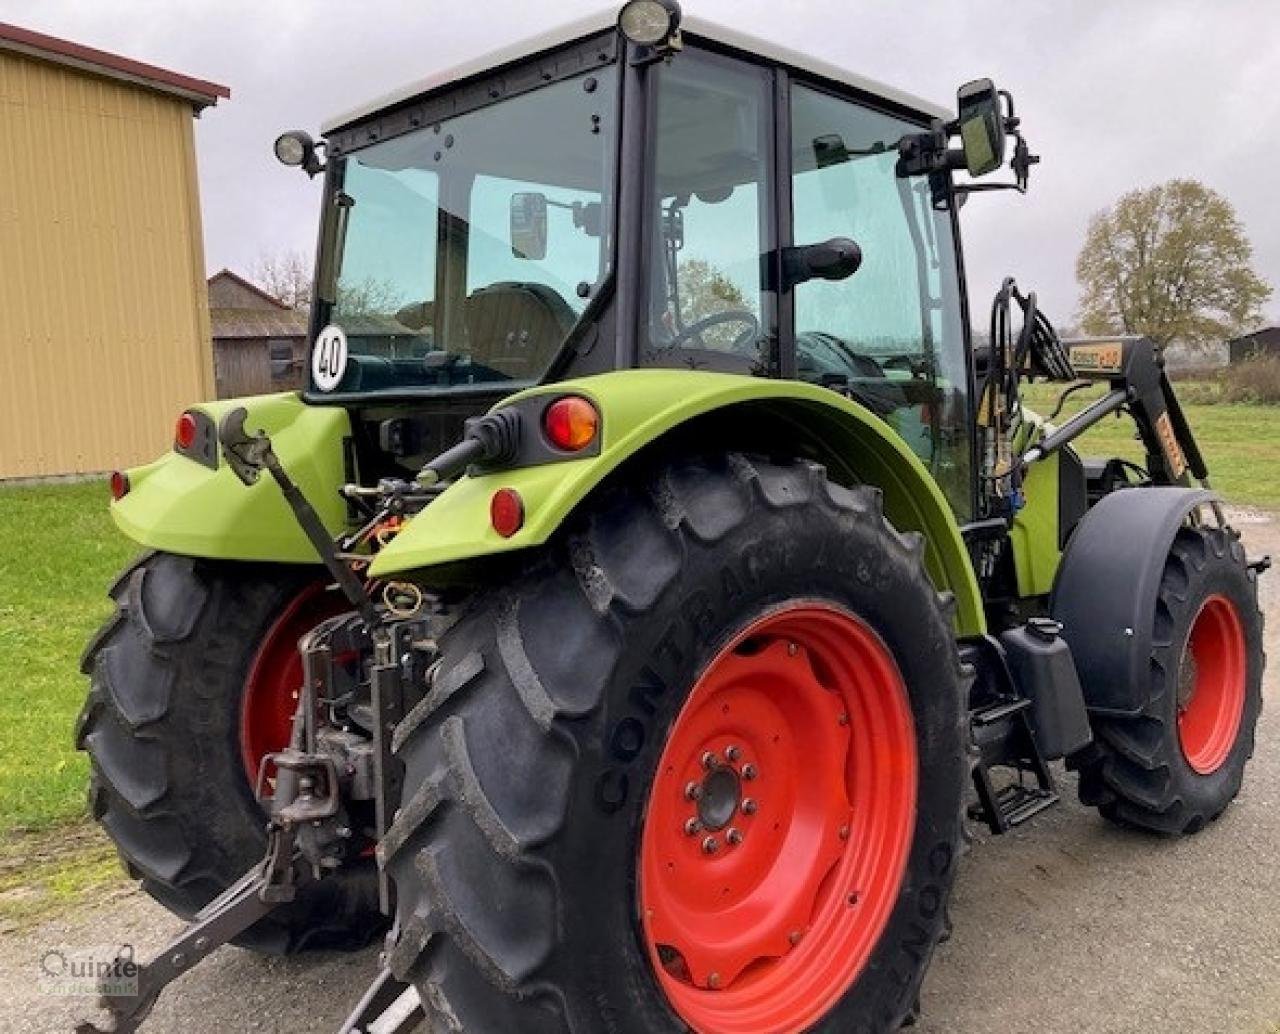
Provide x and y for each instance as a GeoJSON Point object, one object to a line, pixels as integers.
{"type": "Point", "coordinates": [516, 328]}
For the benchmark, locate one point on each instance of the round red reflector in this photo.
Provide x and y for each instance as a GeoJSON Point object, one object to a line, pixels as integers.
{"type": "Point", "coordinates": [506, 512]}
{"type": "Point", "coordinates": [571, 423]}
{"type": "Point", "coordinates": [184, 432]}
{"type": "Point", "coordinates": [119, 485]}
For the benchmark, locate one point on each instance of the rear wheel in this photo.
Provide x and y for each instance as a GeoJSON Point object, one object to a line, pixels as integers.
{"type": "Point", "coordinates": [1179, 764]}
{"type": "Point", "coordinates": [193, 681]}
{"type": "Point", "coordinates": [700, 765]}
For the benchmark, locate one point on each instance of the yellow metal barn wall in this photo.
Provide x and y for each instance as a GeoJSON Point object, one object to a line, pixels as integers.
{"type": "Point", "coordinates": [104, 322]}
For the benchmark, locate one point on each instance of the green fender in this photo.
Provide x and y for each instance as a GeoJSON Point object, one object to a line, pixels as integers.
{"type": "Point", "coordinates": [639, 406]}
{"type": "Point", "coordinates": [180, 506]}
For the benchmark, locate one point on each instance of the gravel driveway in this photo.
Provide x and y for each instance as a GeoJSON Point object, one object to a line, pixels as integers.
{"type": "Point", "coordinates": [1066, 926]}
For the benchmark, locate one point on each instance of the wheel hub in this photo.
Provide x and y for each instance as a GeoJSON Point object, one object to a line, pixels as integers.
{"type": "Point", "coordinates": [719, 798]}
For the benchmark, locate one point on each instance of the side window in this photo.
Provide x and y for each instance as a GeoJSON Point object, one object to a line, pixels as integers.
{"type": "Point", "coordinates": [711, 215]}
{"type": "Point", "coordinates": [891, 335]}
{"type": "Point", "coordinates": [389, 261]}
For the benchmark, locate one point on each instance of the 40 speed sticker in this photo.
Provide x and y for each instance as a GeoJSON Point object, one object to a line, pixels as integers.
{"type": "Point", "coordinates": [329, 358]}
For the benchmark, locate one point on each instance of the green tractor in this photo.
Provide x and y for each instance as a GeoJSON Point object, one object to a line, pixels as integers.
{"type": "Point", "coordinates": [653, 578]}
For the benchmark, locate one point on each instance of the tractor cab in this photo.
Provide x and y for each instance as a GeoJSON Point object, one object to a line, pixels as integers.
{"type": "Point", "coordinates": [702, 201]}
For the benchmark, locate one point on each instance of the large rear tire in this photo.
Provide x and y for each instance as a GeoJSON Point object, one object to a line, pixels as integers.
{"type": "Point", "coordinates": [189, 682]}
{"type": "Point", "coordinates": [1178, 764]}
{"type": "Point", "coordinates": [747, 609]}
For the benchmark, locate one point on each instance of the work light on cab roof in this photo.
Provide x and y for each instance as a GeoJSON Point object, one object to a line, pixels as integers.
{"type": "Point", "coordinates": [650, 22]}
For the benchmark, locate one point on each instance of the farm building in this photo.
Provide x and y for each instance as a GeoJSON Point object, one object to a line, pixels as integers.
{"type": "Point", "coordinates": [1265, 342]}
{"type": "Point", "coordinates": [259, 343]}
{"type": "Point", "coordinates": [104, 323]}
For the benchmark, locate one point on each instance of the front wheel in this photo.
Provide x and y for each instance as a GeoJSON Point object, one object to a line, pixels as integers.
{"type": "Point", "coordinates": [1176, 765]}
{"type": "Point", "coordinates": [700, 765]}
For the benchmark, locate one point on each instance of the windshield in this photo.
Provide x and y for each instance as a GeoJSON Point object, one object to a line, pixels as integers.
{"type": "Point", "coordinates": [465, 252]}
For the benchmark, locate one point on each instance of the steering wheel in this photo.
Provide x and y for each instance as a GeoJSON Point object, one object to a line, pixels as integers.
{"type": "Point", "coordinates": [696, 329]}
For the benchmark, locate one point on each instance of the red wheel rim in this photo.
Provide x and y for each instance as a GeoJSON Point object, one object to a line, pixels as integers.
{"type": "Point", "coordinates": [796, 754]}
{"type": "Point", "coordinates": [1211, 686]}
{"type": "Point", "coordinates": [275, 676]}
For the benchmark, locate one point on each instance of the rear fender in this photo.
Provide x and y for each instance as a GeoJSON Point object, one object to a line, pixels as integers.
{"type": "Point", "coordinates": [641, 407]}
{"type": "Point", "coordinates": [179, 505]}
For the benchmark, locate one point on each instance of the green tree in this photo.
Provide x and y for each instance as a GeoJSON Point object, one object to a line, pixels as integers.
{"type": "Point", "coordinates": [1171, 262]}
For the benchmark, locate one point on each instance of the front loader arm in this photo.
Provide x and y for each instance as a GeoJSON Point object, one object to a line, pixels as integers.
{"type": "Point", "coordinates": [1135, 370]}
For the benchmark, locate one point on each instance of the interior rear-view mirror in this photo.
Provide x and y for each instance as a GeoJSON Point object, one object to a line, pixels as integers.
{"type": "Point", "coordinates": [982, 132]}
{"type": "Point", "coordinates": [529, 226]}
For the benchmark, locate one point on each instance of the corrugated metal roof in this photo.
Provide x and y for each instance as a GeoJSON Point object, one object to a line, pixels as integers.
{"type": "Point", "coordinates": [257, 323]}
{"type": "Point", "coordinates": [200, 92]}
{"type": "Point", "coordinates": [604, 18]}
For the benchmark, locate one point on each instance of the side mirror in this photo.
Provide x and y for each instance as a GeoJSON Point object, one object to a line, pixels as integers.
{"type": "Point", "coordinates": [982, 127]}
{"type": "Point", "coordinates": [529, 226]}
{"type": "Point", "coordinates": [836, 259]}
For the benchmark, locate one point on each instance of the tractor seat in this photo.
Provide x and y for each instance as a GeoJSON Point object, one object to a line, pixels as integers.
{"type": "Point", "coordinates": [515, 328]}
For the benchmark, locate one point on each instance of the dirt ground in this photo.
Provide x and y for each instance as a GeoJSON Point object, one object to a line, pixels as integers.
{"type": "Point", "coordinates": [1066, 926]}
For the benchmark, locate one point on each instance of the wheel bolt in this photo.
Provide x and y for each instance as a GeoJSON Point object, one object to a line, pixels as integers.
{"type": "Point", "coordinates": [749, 772]}
{"type": "Point", "coordinates": [693, 791]}
{"type": "Point", "coordinates": [709, 760]}
{"type": "Point", "coordinates": [795, 937]}
{"type": "Point", "coordinates": [711, 845]}
{"type": "Point", "coordinates": [792, 649]}
{"type": "Point", "coordinates": [844, 832]}
{"type": "Point", "coordinates": [734, 836]}
{"type": "Point", "coordinates": [750, 806]}
{"type": "Point", "coordinates": [713, 981]}
{"type": "Point", "coordinates": [844, 719]}
{"type": "Point", "coordinates": [732, 753]}
{"type": "Point", "coordinates": [693, 827]}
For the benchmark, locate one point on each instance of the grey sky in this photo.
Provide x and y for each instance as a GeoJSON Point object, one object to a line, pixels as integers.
{"type": "Point", "coordinates": [1112, 95]}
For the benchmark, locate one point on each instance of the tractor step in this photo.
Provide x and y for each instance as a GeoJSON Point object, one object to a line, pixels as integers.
{"type": "Point", "coordinates": [1015, 804]}
{"type": "Point", "coordinates": [1002, 733]}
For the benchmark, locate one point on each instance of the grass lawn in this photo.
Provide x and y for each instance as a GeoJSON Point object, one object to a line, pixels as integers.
{"type": "Point", "coordinates": [1241, 443]}
{"type": "Point", "coordinates": [60, 554]}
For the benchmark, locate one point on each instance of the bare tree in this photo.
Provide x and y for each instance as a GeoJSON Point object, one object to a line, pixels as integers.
{"type": "Point", "coordinates": [285, 275]}
{"type": "Point", "coordinates": [1171, 262]}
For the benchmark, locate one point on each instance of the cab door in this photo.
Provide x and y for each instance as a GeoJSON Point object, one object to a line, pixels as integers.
{"type": "Point", "coordinates": [892, 335]}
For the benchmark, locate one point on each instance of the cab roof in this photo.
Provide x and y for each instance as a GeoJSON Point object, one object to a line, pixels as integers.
{"type": "Point", "coordinates": [606, 18]}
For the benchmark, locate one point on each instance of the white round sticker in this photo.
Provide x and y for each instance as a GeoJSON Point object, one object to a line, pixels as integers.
{"type": "Point", "coordinates": [329, 358]}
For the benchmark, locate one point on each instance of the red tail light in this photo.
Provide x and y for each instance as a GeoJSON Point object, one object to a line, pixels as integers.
{"type": "Point", "coordinates": [506, 512]}
{"type": "Point", "coordinates": [119, 485]}
{"type": "Point", "coordinates": [184, 432]}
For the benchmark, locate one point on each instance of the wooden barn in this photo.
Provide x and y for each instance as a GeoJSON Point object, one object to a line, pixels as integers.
{"type": "Point", "coordinates": [259, 343]}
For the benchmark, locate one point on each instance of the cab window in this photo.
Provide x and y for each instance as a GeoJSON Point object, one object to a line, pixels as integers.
{"type": "Point", "coordinates": [891, 336]}
{"type": "Point", "coordinates": [711, 216]}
